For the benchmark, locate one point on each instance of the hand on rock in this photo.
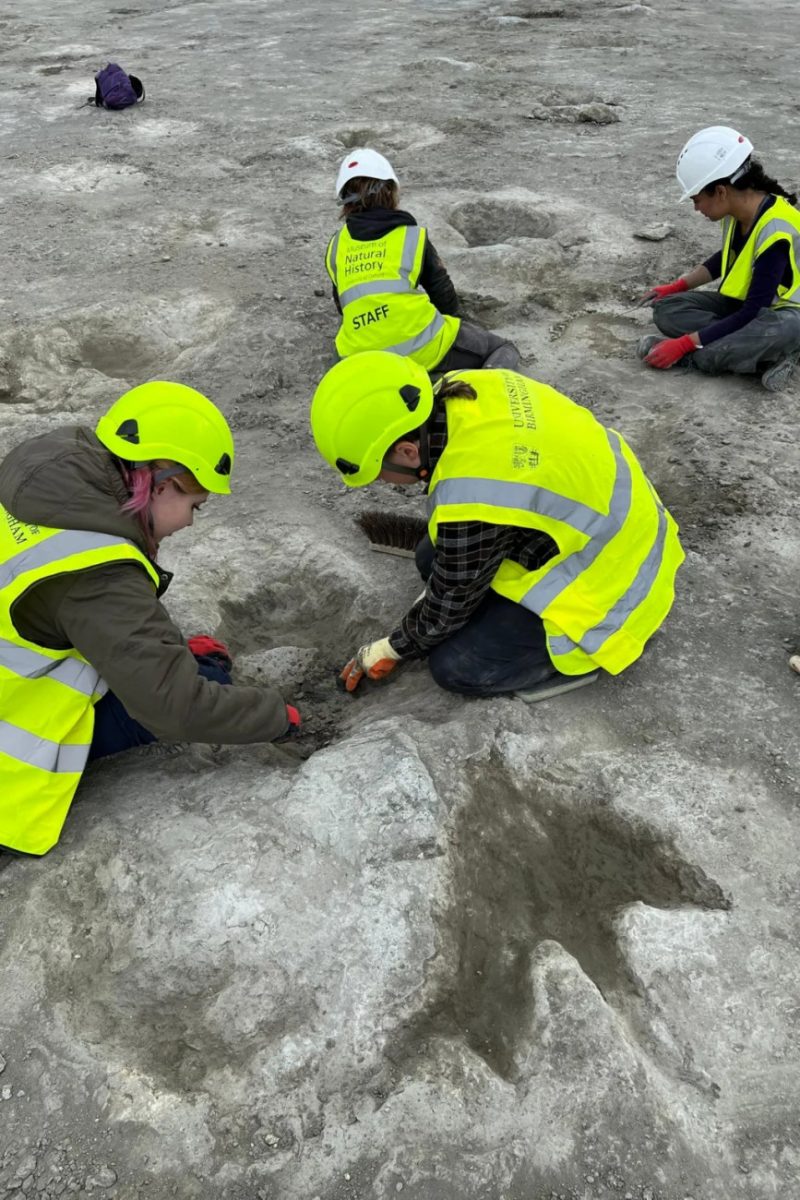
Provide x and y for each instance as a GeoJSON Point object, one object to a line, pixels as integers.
{"type": "Point", "coordinates": [293, 717]}
{"type": "Point", "coordinates": [376, 661]}
{"type": "Point", "coordinates": [671, 350]}
{"type": "Point", "coordinates": [203, 646]}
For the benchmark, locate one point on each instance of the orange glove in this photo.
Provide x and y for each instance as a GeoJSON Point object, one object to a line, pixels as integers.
{"type": "Point", "coordinates": [376, 661]}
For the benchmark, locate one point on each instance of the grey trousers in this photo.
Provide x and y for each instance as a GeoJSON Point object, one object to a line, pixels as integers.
{"type": "Point", "coordinates": [771, 336]}
{"type": "Point", "coordinates": [477, 348]}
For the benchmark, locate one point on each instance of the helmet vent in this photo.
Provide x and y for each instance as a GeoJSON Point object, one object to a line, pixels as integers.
{"type": "Point", "coordinates": [129, 431]}
{"type": "Point", "coordinates": [410, 395]}
{"type": "Point", "coordinates": [347, 468]}
{"type": "Point", "coordinates": [223, 467]}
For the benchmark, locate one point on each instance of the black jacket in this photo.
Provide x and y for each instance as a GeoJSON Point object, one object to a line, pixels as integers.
{"type": "Point", "coordinates": [376, 223]}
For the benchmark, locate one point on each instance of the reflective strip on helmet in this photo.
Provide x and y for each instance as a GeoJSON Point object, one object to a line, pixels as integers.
{"type": "Point", "coordinates": [41, 752]}
{"type": "Point", "coordinates": [560, 577]}
{"type": "Point", "coordinates": [381, 287]}
{"type": "Point", "coordinates": [421, 339]}
{"type": "Point", "coordinates": [616, 617]}
{"type": "Point", "coordinates": [52, 549]}
{"type": "Point", "coordinates": [524, 496]}
{"type": "Point", "coordinates": [72, 672]}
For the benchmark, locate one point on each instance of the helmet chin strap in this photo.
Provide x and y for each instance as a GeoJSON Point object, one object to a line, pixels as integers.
{"type": "Point", "coordinates": [417, 473]}
{"type": "Point", "coordinates": [421, 472]}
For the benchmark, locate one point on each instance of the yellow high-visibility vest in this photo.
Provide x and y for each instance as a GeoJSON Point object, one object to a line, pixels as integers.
{"type": "Point", "coordinates": [47, 697]}
{"type": "Point", "coordinates": [522, 454]}
{"type": "Point", "coordinates": [779, 223]}
{"type": "Point", "coordinates": [383, 308]}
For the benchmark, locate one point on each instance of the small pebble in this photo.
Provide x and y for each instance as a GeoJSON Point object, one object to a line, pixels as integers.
{"type": "Point", "coordinates": [319, 291]}
{"type": "Point", "coordinates": [2, 1064]}
{"type": "Point", "coordinates": [5, 1093]}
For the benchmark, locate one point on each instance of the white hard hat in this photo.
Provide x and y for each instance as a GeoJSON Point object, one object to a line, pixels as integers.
{"type": "Point", "coordinates": [713, 153]}
{"type": "Point", "coordinates": [363, 164]}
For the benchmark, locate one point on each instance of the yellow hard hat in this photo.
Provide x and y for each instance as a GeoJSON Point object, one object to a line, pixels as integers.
{"type": "Point", "coordinates": [170, 420]}
{"type": "Point", "coordinates": [363, 406]}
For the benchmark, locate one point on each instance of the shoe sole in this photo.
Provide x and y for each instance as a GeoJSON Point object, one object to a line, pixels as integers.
{"type": "Point", "coordinates": [776, 378]}
{"type": "Point", "coordinates": [645, 344]}
{"type": "Point", "coordinates": [556, 687]}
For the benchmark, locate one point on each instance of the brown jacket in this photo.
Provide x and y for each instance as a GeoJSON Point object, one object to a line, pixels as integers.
{"type": "Point", "coordinates": [111, 614]}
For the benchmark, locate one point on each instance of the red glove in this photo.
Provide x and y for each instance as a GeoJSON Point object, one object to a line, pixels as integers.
{"type": "Point", "coordinates": [664, 289]}
{"type": "Point", "coordinates": [293, 717]}
{"type": "Point", "coordinates": [671, 350]}
{"type": "Point", "coordinates": [203, 646]}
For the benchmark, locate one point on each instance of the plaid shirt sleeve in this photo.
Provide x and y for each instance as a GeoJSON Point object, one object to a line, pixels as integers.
{"type": "Point", "coordinates": [468, 554]}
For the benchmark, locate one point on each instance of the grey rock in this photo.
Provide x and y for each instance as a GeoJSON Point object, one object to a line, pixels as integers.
{"type": "Point", "coordinates": [478, 948]}
{"type": "Point", "coordinates": [654, 233]}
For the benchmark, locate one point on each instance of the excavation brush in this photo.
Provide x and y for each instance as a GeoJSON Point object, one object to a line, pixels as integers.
{"type": "Point", "coordinates": [392, 533]}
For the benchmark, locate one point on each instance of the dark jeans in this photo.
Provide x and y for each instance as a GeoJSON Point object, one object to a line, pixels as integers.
{"type": "Point", "coordinates": [764, 341]}
{"type": "Point", "coordinates": [501, 648]}
{"type": "Point", "coordinates": [475, 348]}
{"type": "Point", "coordinates": [115, 729]}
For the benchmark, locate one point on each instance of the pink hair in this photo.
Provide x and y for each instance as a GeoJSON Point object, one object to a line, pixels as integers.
{"type": "Point", "coordinates": [139, 482]}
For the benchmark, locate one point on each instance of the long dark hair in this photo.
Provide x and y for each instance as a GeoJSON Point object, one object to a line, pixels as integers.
{"type": "Point", "coordinates": [755, 177]}
{"type": "Point", "coordinates": [362, 193]}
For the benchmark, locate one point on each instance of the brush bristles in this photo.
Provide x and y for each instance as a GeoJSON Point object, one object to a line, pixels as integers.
{"type": "Point", "coordinates": [396, 531]}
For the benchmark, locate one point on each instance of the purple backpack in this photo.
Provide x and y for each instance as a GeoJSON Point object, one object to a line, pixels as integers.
{"type": "Point", "coordinates": [116, 89]}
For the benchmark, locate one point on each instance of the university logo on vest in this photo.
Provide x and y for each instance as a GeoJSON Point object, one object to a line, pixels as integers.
{"type": "Point", "coordinates": [19, 531]}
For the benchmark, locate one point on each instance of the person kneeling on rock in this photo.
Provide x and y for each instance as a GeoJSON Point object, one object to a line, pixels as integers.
{"type": "Point", "coordinates": [549, 555]}
{"type": "Point", "coordinates": [751, 325]}
{"type": "Point", "coordinates": [90, 662]}
{"type": "Point", "coordinates": [389, 284]}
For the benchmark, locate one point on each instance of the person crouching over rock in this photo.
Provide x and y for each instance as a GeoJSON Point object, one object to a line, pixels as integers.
{"type": "Point", "coordinates": [549, 555]}
{"type": "Point", "coordinates": [389, 284]}
{"type": "Point", "coordinates": [90, 662]}
{"type": "Point", "coordinates": [751, 325]}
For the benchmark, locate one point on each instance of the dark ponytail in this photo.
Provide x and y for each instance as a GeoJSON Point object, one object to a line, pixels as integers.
{"type": "Point", "coordinates": [756, 178]}
{"type": "Point", "coordinates": [450, 388]}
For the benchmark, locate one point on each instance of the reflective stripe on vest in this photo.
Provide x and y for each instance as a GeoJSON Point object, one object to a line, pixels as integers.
{"type": "Point", "coordinates": [778, 223]}
{"type": "Point", "coordinates": [53, 549]}
{"type": "Point", "coordinates": [72, 672]}
{"type": "Point", "coordinates": [383, 306]}
{"type": "Point", "coordinates": [420, 341]}
{"type": "Point", "coordinates": [410, 245]}
{"type": "Point", "coordinates": [595, 637]}
{"type": "Point", "coordinates": [599, 527]}
{"type": "Point", "coordinates": [47, 695]}
{"type": "Point", "coordinates": [40, 752]}
{"type": "Point", "coordinates": [611, 583]}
